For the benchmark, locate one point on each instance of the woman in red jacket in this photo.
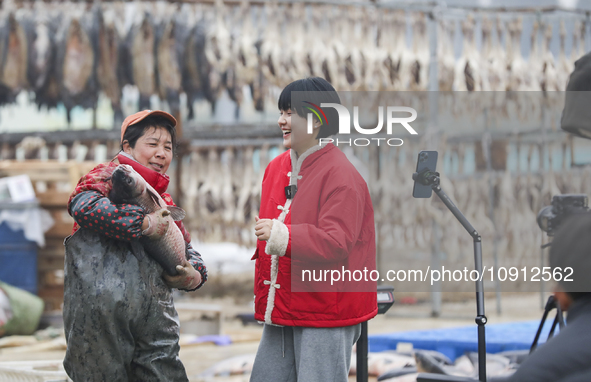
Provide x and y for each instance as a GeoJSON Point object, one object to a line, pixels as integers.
{"type": "Point", "coordinates": [119, 317]}
{"type": "Point", "coordinates": [316, 218]}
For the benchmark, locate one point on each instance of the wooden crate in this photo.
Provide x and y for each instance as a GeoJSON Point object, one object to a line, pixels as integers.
{"type": "Point", "coordinates": [53, 182]}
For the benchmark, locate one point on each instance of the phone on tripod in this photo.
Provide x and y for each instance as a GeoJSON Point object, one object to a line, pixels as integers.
{"type": "Point", "coordinates": [427, 159]}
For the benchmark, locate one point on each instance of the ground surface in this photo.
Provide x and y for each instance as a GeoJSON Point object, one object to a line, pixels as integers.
{"type": "Point", "coordinates": [196, 358]}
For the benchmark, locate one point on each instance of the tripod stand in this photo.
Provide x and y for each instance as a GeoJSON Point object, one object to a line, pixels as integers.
{"type": "Point", "coordinates": [430, 178]}
{"type": "Point", "coordinates": [559, 319]}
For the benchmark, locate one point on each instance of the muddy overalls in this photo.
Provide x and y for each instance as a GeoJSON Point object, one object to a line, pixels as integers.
{"type": "Point", "coordinates": [119, 317]}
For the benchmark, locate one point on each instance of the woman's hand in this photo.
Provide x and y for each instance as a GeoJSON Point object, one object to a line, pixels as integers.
{"type": "Point", "coordinates": [188, 278]}
{"type": "Point", "coordinates": [263, 228]}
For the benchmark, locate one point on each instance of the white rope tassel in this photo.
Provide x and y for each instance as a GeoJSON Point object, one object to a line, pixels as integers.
{"type": "Point", "coordinates": [267, 282]}
{"type": "Point", "coordinates": [284, 212]}
{"type": "Point", "coordinates": [298, 177]}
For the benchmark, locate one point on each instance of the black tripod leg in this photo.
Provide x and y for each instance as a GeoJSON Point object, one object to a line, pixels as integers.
{"type": "Point", "coordinates": [560, 316]}
{"type": "Point", "coordinates": [550, 304]}
{"type": "Point", "coordinates": [481, 352]}
{"type": "Point", "coordinates": [551, 334]}
{"type": "Point", "coordinates": [362, 350]}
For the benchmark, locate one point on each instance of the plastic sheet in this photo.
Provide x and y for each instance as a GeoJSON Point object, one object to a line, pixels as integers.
{"type": "Point", "coordinates": [29, 218]}
{"type": "Point", "coordinates": [27, 309]}
{"type": "Point", "coordinates": [5, 309]}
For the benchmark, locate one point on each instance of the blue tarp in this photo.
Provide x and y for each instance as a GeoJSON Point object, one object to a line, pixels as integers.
{"type": "Point", "coordinates": [454, 342]}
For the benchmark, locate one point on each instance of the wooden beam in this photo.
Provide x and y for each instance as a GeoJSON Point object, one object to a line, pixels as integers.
{"type": "Point", "coordinates": [63, 136]}
{"type": "Point", "coordinates": [188, 132]}
{"type": "Point", "coordinates": [422, 6]}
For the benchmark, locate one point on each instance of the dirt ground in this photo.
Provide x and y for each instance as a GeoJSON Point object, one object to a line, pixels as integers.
{"type": "Point", "coordinates": [197, 358]}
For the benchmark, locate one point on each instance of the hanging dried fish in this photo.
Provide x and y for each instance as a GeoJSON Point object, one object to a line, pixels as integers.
{"type": "Point", "coordinates": [445, 63]}
{"type": "Point", "coordinates": [210, 80]}
{"type": "Point", "coordinates": [445, 55]}
{"type": "Point", "coordinates": [420, 48]}
{"type": "Point", "coordinates": [390, 40]}
{"type": "Point", "coordinates": [191, 70]}
{"type": "Point", "coordinates": [519, 75]}
{"type": "Point", "coordinates": [549, 78]}
{"type": "Point", "coordinates": [245, 182]}
{"type": "Point", "coordinates": [534, 59]}
{"type": "Point", "coordinates": [259, 87]}
{"type": "Point", "coordinates": [14, 58]}
{"type": "Point", "coordinates": [110, 66]}
{"type": "Point", "coordinates": [298, 67]}
{"type": "Point", "coordinates": [227, 186]}
{"type": "Point", "coordinates": [497, 72]}
{"type": "Point", "coordinates": [77, 60]}
{"type": "Point", "coordinates": [240, 71]}
{"type": "Point", "coordinates": [405, 57]}
{"type": "Point", "coordinates": [41, 68]}
{"type": "Point", "coordinates": [382, 67]}
{"type": "Point", "coordinates": [377, 75]}
{"type": "Point", "coordinates": [578, 45]}
{"type": "Point", "coordinates": [170, 43]}
{"type": "Point", "coordinates": [141, 43]}
{"type": "Point", "coordinates": [583, 38]}
{"type": "Point", "coordinates": [541, 61]}
{"type": "Point", "coordinates": [245, 51]}
{"type": "Point", "coordinates": [486, 59]}
{"type": "Point", "coordinates": [353, 59]}
{"type": "Point", "coordinates": [270, 45]}
{"type": "Point", "coordinates": [217, 51]}
{"type": "Point", "coordinates": [565, 66]}
{"type": "Point", "coordinates": [536, 68]}
{"type": "Point", "coordinates": [210, 190]}
{"type": "Point", "coordinates": [467, 72]}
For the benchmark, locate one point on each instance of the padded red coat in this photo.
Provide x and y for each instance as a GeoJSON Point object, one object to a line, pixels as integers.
{"type": "Point", "coordinates": [329, 226]}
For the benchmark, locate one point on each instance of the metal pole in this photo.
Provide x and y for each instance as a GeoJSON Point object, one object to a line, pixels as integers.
{"type": "Point", "coordinates": [433, 127]}
{"type": "Point", "coordinates": [436, 264]}
{"type": "Point", "coordinates": [362, 350]}
{"type": "Point", "coordinates": [587, 28]}
{"type": "Point", "coordinates": [480, 315]}
{"type": "Point", "coordinates": [543, 151]}
{"type": "Point", "coordinates": [542, 289]}
{"type": "Point", "coordinates": [487, 149]}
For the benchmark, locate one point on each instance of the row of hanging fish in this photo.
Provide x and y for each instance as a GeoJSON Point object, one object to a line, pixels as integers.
{"type": "Point", "coordinates": [499, 66]}
{"type": "Point", "coordinates": [69, 52]}
{"type": "Point", "coordinates": [53, 54]}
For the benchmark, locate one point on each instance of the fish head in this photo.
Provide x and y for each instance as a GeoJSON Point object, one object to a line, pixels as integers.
{"type": "Point", "coordinates": [427, 363]}
{"type": "Point", "coordinates": [127, 184]}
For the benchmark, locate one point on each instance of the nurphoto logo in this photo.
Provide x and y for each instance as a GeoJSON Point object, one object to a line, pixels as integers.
{"type": "Point", "coordinates": [392, 119]}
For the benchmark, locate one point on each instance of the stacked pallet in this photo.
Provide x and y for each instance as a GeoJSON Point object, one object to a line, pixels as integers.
{"type": "Point", "coordinates": [53, 182]}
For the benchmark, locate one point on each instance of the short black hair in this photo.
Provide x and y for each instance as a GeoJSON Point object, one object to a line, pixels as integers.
{"type": "Point", "coordinates": [571, 248]}
{"type": "Point", "coordinates": [315, 90]}
{"type": "Point", "coordinates": [137, 130]}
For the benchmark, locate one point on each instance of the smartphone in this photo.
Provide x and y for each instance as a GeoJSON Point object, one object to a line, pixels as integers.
{"type": "Point", "coordinates": [427, 159]}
